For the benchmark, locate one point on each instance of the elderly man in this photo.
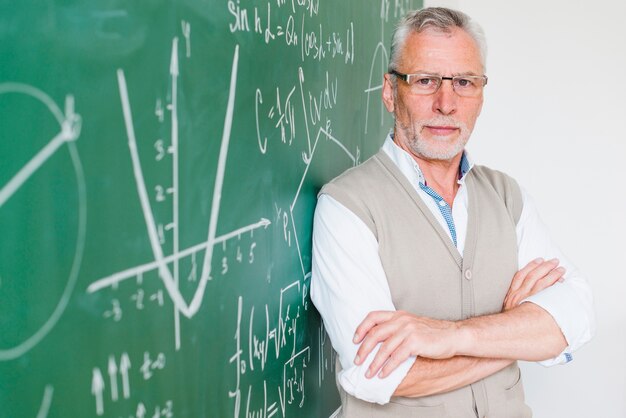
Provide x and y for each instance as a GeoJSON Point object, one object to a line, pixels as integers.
{"type": "Point", "coordinates": [433, 275]}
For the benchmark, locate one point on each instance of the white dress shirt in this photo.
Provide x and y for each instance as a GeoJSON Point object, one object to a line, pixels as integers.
{"type": "Point", "coordinates": [348, 280]}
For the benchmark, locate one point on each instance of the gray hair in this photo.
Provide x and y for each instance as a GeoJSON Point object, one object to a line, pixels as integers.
{"type": "Point", "coordinates": [439, 18]}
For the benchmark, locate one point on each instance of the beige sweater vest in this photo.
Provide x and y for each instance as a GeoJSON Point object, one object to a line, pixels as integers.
{"type": "Point", "coordinates": [428, 277]}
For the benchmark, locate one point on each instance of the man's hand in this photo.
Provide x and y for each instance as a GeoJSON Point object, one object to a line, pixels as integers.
{"type": "Point", "coordinates": [533, 278]}
{"type": "Point", "coordinates": [403, 335]}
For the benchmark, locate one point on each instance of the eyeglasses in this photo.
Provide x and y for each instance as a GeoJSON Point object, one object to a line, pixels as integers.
{"type": "Point", "coordinates": [425, 84]}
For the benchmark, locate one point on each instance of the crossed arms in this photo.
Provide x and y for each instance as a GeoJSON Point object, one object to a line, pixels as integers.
{"type": "Point", "coordinates": [450, 355]}
{"type": "Point", "coordinates": [435, 356]}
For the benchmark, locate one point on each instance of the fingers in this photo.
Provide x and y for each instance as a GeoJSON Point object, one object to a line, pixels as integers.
{"type": "Point", "coordinates": [384, 353]}
{"type": "Point", "coordinates": [538, 273]}
{"type": "Point", "coordinates": [370, 321]}
{"type": "Point", "coordinates": [376, 327]}
{"type": "Point", "coordinates": [518, 281]}
{"type": "Point", "coordinates": [519, 277]}
{"type": "Point", "coordinates": [368, 344]}
{"type": "Point", "coordinates": [396, 359]}
{"type": "Point", "coordinates": [548, 280]}
{"type": "Point", "coordinates": [533, 278]}
{"type": "Point", "coordinates": [400, 335]}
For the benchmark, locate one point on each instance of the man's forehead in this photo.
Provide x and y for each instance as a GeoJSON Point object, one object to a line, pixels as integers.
{"type": "Point", "coordinates": [442, 32]}
{"type": "Point", "coordinates": [439, 38]}
{"type": "Point", "coordinates": [435, 47]}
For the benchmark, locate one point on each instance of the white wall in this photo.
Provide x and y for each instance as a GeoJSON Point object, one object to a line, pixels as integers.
{"type": "Point", "coordinates": [555, 118]}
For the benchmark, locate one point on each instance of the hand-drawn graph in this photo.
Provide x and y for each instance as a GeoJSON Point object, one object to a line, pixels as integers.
{"type": "Point", "coordinates": [170, 278]}
{"type": "Point", "coordinates": [240, 337]}
{"type": "Point", "coordinates": [162, 262]}
{"type": "Point", "coordinates": [70, 126]}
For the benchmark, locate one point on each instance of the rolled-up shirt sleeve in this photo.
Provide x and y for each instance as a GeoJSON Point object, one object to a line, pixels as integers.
{"type": "Point", "coordinates": [570, 302]}
{"type": "Point", "coordinates": [348, 282]}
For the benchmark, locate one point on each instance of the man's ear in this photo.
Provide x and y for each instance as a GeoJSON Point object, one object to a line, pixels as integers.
{"type": "Point", "coordinates": [388, 96]}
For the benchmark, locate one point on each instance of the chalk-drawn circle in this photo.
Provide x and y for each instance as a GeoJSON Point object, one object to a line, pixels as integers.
{"type": "Point", "coordinates": [20, 348]}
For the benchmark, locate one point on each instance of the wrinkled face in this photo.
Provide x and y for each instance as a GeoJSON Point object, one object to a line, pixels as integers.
{"type": "Point", "coordinates": [436, 126]}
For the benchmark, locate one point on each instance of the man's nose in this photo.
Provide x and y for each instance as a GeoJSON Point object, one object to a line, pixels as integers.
{"type": "Point", "coordinates": [445, 100]}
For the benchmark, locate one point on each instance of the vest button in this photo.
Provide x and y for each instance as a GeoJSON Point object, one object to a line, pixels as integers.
{"type": "Point", "coordinates": [468, 274]}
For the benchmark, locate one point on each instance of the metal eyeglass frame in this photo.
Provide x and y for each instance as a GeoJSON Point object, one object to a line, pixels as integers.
{"type": "Point", "coordinates": [407, 78]}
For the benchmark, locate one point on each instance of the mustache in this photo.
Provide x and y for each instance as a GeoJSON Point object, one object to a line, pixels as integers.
{"type": "Point", "coordinates": [441, 121]}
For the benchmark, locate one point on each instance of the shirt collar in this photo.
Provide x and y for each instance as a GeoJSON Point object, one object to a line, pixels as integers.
{"type": "Point", "coordinates": [409, 167]}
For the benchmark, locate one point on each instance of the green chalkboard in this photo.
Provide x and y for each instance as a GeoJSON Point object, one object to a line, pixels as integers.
{"type": "Point", "coordinates": [159, 163]}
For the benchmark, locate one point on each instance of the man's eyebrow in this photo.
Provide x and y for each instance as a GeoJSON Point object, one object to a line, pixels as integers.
{"type": "Point", "coordinates": [469, 73]}
{"type": "Point", "coordinates": [464, 73]}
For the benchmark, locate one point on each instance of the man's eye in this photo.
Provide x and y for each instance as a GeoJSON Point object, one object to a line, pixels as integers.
{"type": "Point", "coordinates": [426, 82]}
{"type": "Point", "coordinates": [464, 82]}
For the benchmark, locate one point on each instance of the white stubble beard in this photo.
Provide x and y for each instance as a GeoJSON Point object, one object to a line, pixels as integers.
{"type": "Point", "coordinates": [437, 148]}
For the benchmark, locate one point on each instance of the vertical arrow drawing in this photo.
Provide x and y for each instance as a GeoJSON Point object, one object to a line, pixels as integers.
{"type": "Point", "coordinates": [112, 370]}
{"type": "Point", "coordinates": [124, 366]}
{"type": "Point", "coordinates": [141, 411]}
{"type": "Point", "coordinates": [174, 71]}
{"type": "Point", "coordinates": [97, 387]}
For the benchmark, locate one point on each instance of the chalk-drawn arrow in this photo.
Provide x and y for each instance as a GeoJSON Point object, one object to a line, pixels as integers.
{"type": "Point", "coordinates": [124, 366]}
{"type": "Point", "coordinates": [264, 223]}
{"type": "Point", "coordinates": [97, 388]}
{"type": "Point", "coordinates": [174, 71]}
{"type": "Point", "coordinates": [141, 410]}
{"type": "Point", "coordinates": [112, 370]}
{"type": "Point", "coordinates": [174, 60]}
{"type": "Point", "coordinates": [136, 272]}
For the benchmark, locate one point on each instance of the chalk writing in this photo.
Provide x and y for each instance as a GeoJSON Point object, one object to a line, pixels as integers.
{"type": "Point", "coordinates": [196, 293]}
